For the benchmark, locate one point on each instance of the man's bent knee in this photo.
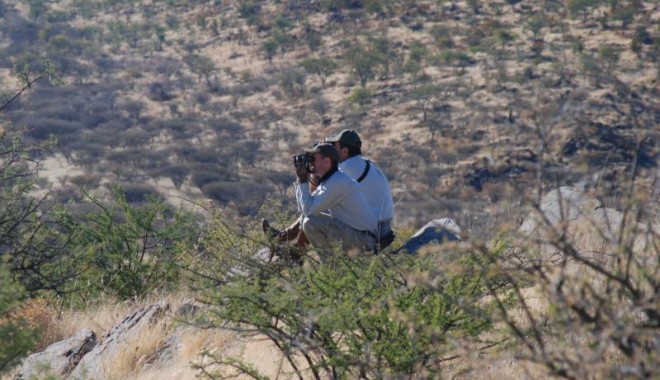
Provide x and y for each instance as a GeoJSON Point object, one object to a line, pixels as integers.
{"type": "Point", "coordinates": [316, 228]}
{"type": "Point", "coordinates": [311, 225]}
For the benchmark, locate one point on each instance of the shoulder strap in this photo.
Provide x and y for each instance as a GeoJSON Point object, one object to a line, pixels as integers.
{"type": "Point", "coordinates": [366, 171]}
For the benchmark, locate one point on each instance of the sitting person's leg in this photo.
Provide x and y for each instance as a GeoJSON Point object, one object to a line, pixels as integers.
{"type": "Point", "coordinates": [358, 240]}
{"type": "Point", "coordinates": [291, 233]}
{"type": "Point", "coordinates": [317, 229]}
{"type": "Point", "coordinates": [323, 231]}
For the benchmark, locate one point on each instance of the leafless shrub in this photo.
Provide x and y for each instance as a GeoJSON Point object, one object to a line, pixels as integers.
{"type": "Point", "coordinates": [597, 273]}
{"type": "Point", "coordinates": [595, 269]}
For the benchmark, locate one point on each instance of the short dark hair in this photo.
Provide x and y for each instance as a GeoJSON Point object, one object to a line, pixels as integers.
{"type": "Point", "coordinates": [352, 150]}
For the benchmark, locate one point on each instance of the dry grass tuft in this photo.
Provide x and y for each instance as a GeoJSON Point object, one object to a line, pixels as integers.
{"type": "Point", "coordinates": [99, 317]}
{"type": "Point", "coordinates": [137, 349]}
{"type": "Point", "coordinates": [41, 315]}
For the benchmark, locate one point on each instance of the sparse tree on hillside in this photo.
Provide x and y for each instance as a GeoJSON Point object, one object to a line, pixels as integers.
{"type": "Point", "coordinates": [203, 67]}
{"type": "Point", "coordinates": [159, 32]}
{"type": "Point", "coordinates": [513, 3]}
{"type": "Point", "coordinates": [321, 106]}
{"type": "Point", "coordinates": [177, 173]}
{"type": "Point", "coordinates": [590, 66]}
{"type": "Point", "coordinates": [250, 10]}
{"type": "Point", "coordinates": [37, 8]}
{"type": "Point", "coordinates": [292, 81]}
{"type": "Point", "coordinates": [282, 39]}
{"type": "Point", "coordinates": [609, 55]}
{"type": "Point", "coordinates": [361, 96]}
{"type": "Point", "coordinates": [438, 122]}
{"type": "Point", "coordinates": [269, 48]}
{"type": "Point", "coordinates": [363, 63]}
{"type": "Point", "coordinates": [425, 97]}
{"type": "Point", "coordinates": [536, 24]}
{"type": "Point", "coordinates": [456, 58]}
{"type": "Point", "coordinates": [312, 37]}
{"type": "Point", "coordinates": [281, 180]}
{"type": "Point", "coordinates": [474, 6]}
{"type": "Point", "coordinates": [133, 107]}
{"type": "Point", "coordinates": [416, 57]}
{"type": "Point", "coordinates": [383, 47]}
{"type": "Point", "coordinates": [322, 67]}
{"type": "Point", "coordinates": [501, 37]}
{"type": "Point", "coordinates": [625, 15]}
{"type": "Point", "coordinates": [582, 7]}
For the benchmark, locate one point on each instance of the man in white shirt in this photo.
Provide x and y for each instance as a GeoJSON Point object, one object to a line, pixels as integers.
{"type": "Point", "coordinates": [336, 211]}
{"type": "Point", "coordinates": [373, 184]}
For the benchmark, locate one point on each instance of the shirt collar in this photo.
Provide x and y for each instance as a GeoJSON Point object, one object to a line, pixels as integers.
{"type": "Point", "coordinates": [328, 174]}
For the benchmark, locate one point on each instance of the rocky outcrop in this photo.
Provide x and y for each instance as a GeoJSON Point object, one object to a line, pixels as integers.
{"type": "Point", "coordinates": [567, 218]}
{"type": "Point", "coordinates": [59, 358]}
{"type": "Point", "coordinates": [92, 366]}
{"type": "Point", "coordinates": [167, 351]}
{"type": "Point", "coordinates": [437, 231]}
{"type": "Point", "coordinates": [563, 204]}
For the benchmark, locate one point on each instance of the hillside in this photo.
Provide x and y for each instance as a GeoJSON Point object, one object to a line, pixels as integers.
{"type": "Point", "coordinates": [142, 141]}
{"type": "Point", "coordinates": [461, 103]}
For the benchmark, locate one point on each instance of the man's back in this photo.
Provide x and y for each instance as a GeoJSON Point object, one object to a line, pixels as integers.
{"type": "Point", "coordinates": [374, 185]}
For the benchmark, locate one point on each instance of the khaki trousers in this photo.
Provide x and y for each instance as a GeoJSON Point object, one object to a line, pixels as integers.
{"type": "Point", "coordinates": [323, 231]}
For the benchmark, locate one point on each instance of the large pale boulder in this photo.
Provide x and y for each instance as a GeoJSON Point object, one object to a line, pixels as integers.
{"type": "Point", "coordinates": [560, 205]}
{"type": "Point", "coordinates": [59, 358]}
{"type": "Point", "coordinates": [97, 364]}
{"type": "Point", "coordinates": [596, 232]}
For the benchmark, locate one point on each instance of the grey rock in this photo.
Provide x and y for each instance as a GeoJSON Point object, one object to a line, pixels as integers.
{"type": "Point", "coordinates": [187, 310]}
{"type": "Point", "coordinates": [59, 358]}
{"type": "Point", "coordinates": [436, 231]}
{"type": "Point", "coordinates": [92, 365]}
{"type": "Point", "coordinates": [164, 353]}
{"type": "Point", "coordinates": [563, 204]}
{"type": "Point", "coordinates": [593, 231]}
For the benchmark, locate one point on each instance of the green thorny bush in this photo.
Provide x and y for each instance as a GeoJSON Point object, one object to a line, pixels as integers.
{"type": "Point", "coordinates": [116, 248]}
{"type": "Point", "coordinates": [125, 250]}
{"type": "Point", "coordinates": [16, 336]}
{"type": "Point", "coordinates": [347, 317]}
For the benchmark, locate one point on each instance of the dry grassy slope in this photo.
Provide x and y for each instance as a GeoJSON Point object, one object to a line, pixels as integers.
{"type": "Point", "coordinates": [495, 108]}
{"type": "Point", "coordinates": [478, 133]}
{"type": "Point", "coordinates": [141, 355]}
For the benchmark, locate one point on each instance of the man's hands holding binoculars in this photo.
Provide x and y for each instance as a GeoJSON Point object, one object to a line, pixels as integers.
{"type": "Point", "coordinates": [301, 163]}
{"type": "Point", "coordinates": [302, 173]}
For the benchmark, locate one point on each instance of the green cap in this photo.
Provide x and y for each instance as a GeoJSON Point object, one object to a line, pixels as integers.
{"type": "Point", "coordinates": [326, 150]}
{"type": "Point", "coordinates": [346, 137]}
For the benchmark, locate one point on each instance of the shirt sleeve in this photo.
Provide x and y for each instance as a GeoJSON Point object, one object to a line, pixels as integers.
{"type": "Point", "coordinates": [325, 196]}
